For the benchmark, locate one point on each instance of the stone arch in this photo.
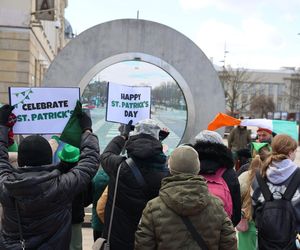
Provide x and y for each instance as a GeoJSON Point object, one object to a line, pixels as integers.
{"type": "Point", "coordinates": [132, 39]}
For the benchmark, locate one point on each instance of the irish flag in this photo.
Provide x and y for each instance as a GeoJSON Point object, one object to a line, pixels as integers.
{"type": "Point", "coordinates": [277, 126]}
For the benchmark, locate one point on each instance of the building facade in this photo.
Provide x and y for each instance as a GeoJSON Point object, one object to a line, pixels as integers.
{"type": "Point", "coordinates": [28, 44]}
{"type": "Point", "coordinates": [282, 86]}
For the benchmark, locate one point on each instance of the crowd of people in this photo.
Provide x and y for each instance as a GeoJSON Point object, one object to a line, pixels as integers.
{"type": "Point", "coordinates": [195, 198]}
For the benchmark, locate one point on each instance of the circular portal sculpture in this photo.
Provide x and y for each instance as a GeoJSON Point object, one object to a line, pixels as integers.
{"type": "Point", "coordinates": [134, 39]}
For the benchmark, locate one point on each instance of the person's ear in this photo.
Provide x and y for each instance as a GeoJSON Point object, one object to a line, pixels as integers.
{"type": "Point", "coordinates": [292, 155]}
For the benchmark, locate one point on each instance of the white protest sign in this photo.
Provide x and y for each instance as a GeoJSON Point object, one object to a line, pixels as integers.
{"type": "Point", "coordinates": [125, 103]}
{"type": "Point", "coordinates": [42, 110]}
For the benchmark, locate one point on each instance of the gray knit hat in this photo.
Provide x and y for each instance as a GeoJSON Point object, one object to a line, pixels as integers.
{"type": "Point", "coordinates": [209, 136]}
{"type": "Point", "coordinates": [147, 126]}
{"type": "Point", "coordinates": [184, 159]}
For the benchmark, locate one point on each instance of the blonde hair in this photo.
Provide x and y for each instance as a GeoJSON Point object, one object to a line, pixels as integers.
{"type": "Point", "coordinates": [263, 152]}
{"type": "Point", "coordinates": [255, 164]}
{"type": "Point", "coordinates": [282, 146]}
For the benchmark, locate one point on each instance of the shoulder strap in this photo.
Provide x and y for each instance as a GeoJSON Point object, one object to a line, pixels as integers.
{"type": "Point", "coordinates": [136, 172]}
{"type": "Point", "coordinates": [264, 187]}
{"type": "Point", "coordinates": [113, 204]}
{"type": "Point", "coordinates": [22, 241]}
{"type": "Point", "coordinates": [292, 187]}
{"type": "Point", "coordinates": [220, 172]}
{"type": "Point", "coordinates": [196, 236]}
{"type": "Point", "coordinates": [227, 175]}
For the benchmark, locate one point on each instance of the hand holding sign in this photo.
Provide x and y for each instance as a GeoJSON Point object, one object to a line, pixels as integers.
{"type": "Point", "coordinates": [125, 129]}
{"type": "Point", "coordinates": [163, 134]}
{"type": "Point", "coordinates": [5, 112]}
{"type": "Point", "coordinates": [85, 121]}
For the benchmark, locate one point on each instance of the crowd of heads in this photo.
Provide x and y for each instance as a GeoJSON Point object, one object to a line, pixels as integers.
{"type": "Point", "coordinates": [35, 150]}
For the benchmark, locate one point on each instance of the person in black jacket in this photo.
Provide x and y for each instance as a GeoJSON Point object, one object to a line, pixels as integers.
{"type": "Point", "coordinates": [213, 154]}
{"type": "Point", "coordinates": [145, 148]}
{"type": "Point", "coordinates": [39, 192]}
{"type": "Point", "coordinates": [69, 157]}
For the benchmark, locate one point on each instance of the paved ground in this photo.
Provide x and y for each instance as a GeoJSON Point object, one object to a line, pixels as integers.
{"type": "Point", "coordinates": [87, 234]}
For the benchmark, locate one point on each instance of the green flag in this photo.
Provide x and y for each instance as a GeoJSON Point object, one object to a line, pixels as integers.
{"type": "Point", "coordinates": [72, 131]}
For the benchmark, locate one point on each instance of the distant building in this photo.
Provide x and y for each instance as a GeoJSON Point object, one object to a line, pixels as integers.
{"type": "Point", "coordinates": [283, 86]}
{"type": "Point", "coordinates": [28, 43]}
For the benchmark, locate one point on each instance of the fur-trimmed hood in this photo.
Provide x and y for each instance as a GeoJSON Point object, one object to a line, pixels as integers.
{"type": "Point", "coordinates": [213, 156]}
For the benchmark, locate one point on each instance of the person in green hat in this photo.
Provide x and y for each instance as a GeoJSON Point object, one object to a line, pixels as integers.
{"type": "Point", "coordinates": [69, 157]}
{"type": "Point", "coordinates": [247, 239]}
{"type": "Point", "coordinates": [257, 148]}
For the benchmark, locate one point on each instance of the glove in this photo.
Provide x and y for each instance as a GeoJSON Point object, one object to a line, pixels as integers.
{"type": "Point", "coordinates": [163, 134]}
{"type": "Point", "coordinates": [85, 122]}
{"type": "Point", "coordinates": [5, 112]}
{"type": "Point", "coordinates": [125, 129]}
{"type": "Point", "coordinates": [12, 119]}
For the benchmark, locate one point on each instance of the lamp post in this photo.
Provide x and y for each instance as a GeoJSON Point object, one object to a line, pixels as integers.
{"type": "Point", "coordinates": [224, 57]}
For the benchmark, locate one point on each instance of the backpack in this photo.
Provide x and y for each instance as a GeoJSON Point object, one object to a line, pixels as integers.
{"type": "Point", "coordinates": [275, 219]}
{"type": "Point", "coordinates": [217, 186]}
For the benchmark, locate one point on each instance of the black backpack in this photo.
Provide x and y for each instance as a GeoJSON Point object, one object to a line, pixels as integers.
{"type": "Point", "coordinates": [275, 219]}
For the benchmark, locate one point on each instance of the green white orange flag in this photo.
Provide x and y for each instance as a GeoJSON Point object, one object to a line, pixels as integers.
{"type": "Point", "coordinates": [277, 126]}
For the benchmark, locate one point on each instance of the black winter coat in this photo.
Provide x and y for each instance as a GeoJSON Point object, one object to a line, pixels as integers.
{"type": "Point", "coordinates": [81, 200]}
{"type": "Point", "coordinates": [213, 156]}
{"type": "Point", "coordinates": [44, 196]}
{"type": "Point", "coordinates": [131, 199]}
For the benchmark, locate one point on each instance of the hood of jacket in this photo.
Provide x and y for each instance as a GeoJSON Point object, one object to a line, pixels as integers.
{"type": "Point", "coordinates": [278, 172]}
{"type": "Point", "coordinates": [24, 182]}
{"type": "Point", "coordinates": [143, 147]}
{"type": "Point", "coordinates": [184, 194]}
{"type": "Point", "coordinates": [213, 156]}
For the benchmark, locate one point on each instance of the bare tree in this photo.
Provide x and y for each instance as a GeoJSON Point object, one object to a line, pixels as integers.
{"type": "Point", "coordinates": [261, 105]}
{"type": "Point", "coordinates": [236, 84]}
{"type": "Point", "coordinates": [95, 90]}
{"type": "Point", "coordinates": [294, 91]}
{"type": "Point", "coordinates": [167, 94]}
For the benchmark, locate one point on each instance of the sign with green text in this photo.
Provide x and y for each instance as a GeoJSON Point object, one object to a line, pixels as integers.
{"type": "Point", "coordinates": [42, 110]}
{"type": "Point", "coordinates": [125, 103]}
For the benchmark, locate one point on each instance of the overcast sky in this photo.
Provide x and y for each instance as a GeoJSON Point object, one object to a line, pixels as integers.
{"type": "Point", "coordinates": [259, 34]}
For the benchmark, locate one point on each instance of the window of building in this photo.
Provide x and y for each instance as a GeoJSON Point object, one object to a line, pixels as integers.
{"type": "Point", "coordinates": [270, 89]}
{"type": "Point", "coordinates": [280, 89]}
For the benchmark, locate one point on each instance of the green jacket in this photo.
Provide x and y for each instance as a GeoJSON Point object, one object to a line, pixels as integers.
{"type": "Point", "coordinates": [162, 228]}
{"type": "Point", "coordinates": [99, 183]}
{"type": "Point", "coordinates": [238, 139]}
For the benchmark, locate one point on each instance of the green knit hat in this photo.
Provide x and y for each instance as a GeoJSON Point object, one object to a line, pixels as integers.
{"type": "Point", "coordinates": [69, 154]}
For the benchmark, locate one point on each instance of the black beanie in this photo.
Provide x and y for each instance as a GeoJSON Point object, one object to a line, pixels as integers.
{"type": "Point", "coordinates": [34, 150]}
